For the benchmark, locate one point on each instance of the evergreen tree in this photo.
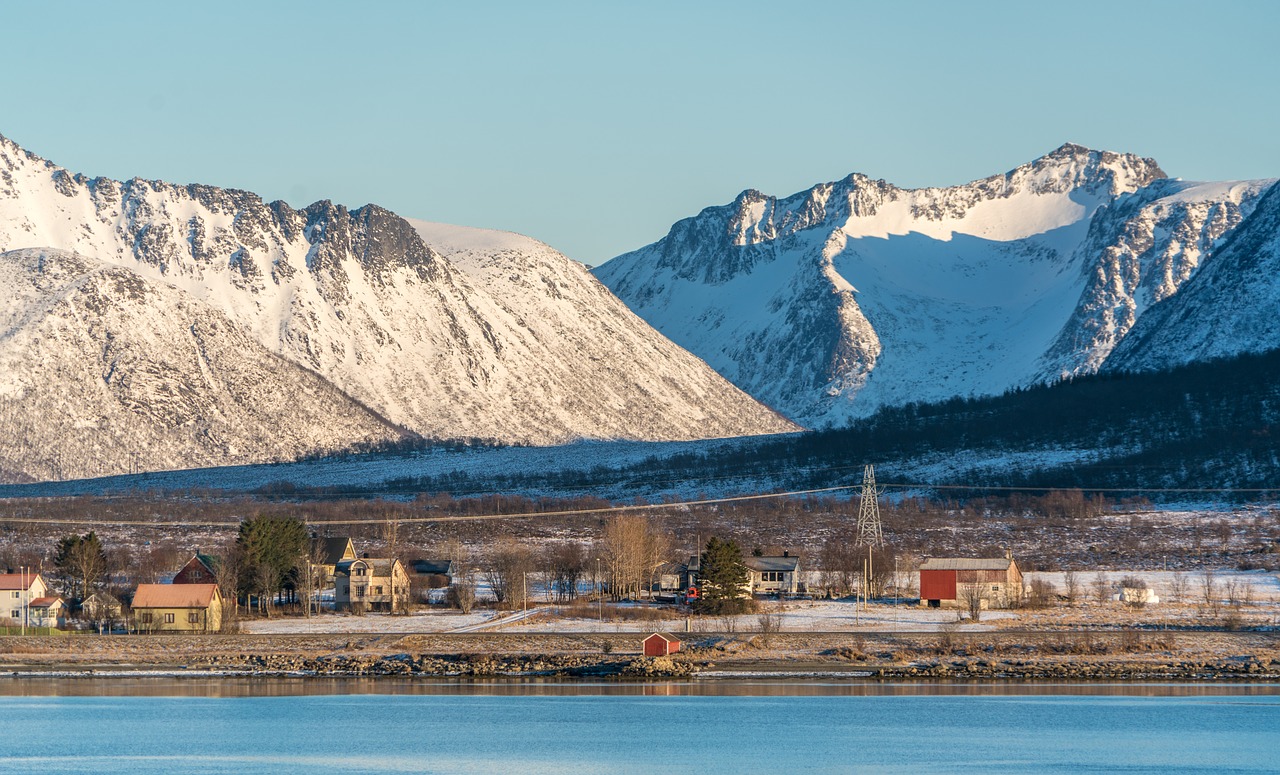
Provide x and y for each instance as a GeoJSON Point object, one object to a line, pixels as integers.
{"type": "Point", "coordinates": [722, 578]}
{"type": "Point", "coordinates": [273, 549]}
{"type": "Point", "coordinates": [82, 561]}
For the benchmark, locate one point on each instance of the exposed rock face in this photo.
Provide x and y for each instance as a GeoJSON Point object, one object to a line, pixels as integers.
{"type": "Point", "coordinates": [1228, 307]}
{"type": "Point", "coordinates": [857, 294]}
{"type": "Point", "coordinates": [361, 300]}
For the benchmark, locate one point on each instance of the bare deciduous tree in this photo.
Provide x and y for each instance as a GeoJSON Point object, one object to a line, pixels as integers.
{"type": "Point", "coordinates": [1071, 586]}
{"type": "Point", "coordinates": [1178, 586]}
{"type": "Point", "coordinates": [973, 595]}
{"type": "Point", "coordinates": [505, 570]}
{"type": "Point", "coordinates": [1101, 588]}
{"type": "Point", "coordinates": [632, 548]}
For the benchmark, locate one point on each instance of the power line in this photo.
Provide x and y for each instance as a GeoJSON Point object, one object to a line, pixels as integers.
{"type": "Point", "coordinates": [615, 509]}
{"type": "Point", "coordinates": [446, 518]}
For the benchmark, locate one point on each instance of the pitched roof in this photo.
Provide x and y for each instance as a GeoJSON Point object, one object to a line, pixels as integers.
{"type": "Point", "coordinates": [668, 637]}
{"type": "Point", "coordinates": [45, 602]}
{"type": "Point", "coordinates": [787, 563]}
{"type": "Point", "coordinates": [437, 567]}
{"type": "Point", "coordinates": [174, 595]}
{"type": "Point", "coordinates": [331, 550]}
{"type": "Point", "coordinates": [965, 563]}
{"type": "Point", "coordinates": [18, 580]}
{"type": "Point", "coordinates": [378, 566]}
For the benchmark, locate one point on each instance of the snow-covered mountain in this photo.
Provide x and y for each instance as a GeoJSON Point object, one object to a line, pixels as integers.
{"type": "Point", "coordinates": [104, 371]}
{"type": "Point", "coordinates": [858, 294]}
{"type": "Point", "coordinates": [1227, 308]}
{"type": "Point", "coordinates": [514, 343]}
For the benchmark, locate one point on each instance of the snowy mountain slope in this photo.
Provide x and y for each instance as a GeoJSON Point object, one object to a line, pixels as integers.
{"type": "Point", "coordinates": [1144, 247]}
{"type": "Point", "coordinates": [857, 294]}
{"type": "Point", "coordinates": [551, 311]}
{"type": "Point", "coordinates": [358, 298]}
{"type": "Point", "coordinates": [1227, 308]}
{"type": "Point", "coordinates": [102, 370]}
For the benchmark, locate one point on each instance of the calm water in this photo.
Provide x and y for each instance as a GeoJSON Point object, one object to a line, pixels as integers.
{"type": "Point", "coordinates": [246, 726]}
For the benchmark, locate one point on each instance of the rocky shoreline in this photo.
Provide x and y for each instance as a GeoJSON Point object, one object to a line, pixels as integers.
{"type": "Point", "coordinates": [1084, 657]}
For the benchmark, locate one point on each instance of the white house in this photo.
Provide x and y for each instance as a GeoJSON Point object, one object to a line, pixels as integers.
{"type": "Point", "coordinates": [17, 593]}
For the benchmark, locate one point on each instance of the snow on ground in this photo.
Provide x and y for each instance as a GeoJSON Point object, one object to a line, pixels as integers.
{"type": "Point", "coordinates": [435, 621]}
{"type": "Point", "coordinates": [792, 616]}
{"type": "Point", "coordinates": [1265, 585]}
{"type": "Point", "coordinates": [807, 615]}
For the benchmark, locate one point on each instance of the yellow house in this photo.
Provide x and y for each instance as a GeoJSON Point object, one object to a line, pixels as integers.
{"type": "Point", "coordinates": [177, 608]}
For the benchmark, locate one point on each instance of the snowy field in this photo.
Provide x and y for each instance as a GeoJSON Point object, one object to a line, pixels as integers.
{"type": "Point", "coordinates": [1261, 588]}
{"type": "Point", "coordinates": [809, 615]}
{"type": "Point", "coordinates": [1264, 585]}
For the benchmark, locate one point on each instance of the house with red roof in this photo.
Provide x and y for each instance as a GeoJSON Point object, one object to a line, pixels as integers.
{"type": "Point", "coordinates": [25, 601]}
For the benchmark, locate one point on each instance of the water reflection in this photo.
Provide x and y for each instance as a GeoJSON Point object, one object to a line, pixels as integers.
{"type": "Point", "coordinates": [253, 686]}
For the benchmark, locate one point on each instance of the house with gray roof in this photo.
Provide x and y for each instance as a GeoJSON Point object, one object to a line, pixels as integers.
{"type": "Point", "coordinates": [370, 584]}
{"type": "Point", "coordinates": [774, 575]}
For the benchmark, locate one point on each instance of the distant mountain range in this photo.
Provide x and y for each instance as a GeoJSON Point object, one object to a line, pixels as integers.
{"type": "Point", "coordinates": [145, 326]}
{"type": "Point", "coordinates": [855, 295]}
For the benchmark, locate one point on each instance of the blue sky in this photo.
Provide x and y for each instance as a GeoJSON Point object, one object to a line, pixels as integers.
{"type": "Point", "coordinates": [594, 126]}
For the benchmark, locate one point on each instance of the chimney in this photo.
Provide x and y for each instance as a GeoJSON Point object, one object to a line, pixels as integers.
{"type": "Point", "coordinates": [786, 553]}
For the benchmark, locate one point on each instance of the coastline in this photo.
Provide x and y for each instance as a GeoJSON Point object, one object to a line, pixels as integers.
{"type": "Point", "coordinates": [1097, 656]}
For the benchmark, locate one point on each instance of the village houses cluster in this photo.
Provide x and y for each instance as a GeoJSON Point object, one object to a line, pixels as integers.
{"type": "Point", "coordinates": [192, 600]}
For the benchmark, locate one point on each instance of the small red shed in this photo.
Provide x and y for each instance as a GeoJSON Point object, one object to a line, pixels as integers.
{"type": "Point", "coordinates": [660, 644]}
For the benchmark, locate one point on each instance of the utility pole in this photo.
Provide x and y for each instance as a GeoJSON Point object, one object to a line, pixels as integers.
{"type": "Point", "coordinates": [870, 532]}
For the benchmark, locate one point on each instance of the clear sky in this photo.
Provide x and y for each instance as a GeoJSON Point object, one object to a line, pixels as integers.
{"type": "Point", "coordinates": [594, 126]}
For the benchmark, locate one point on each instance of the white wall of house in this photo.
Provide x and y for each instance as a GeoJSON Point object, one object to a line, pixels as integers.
{"type": "Point", "coordinates": [14, 605]}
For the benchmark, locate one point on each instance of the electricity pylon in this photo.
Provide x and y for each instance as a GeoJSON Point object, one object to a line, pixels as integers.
{"type": "Point", "coordinates": [870, 533]}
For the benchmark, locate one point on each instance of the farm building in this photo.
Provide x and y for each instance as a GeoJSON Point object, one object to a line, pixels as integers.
{"type": "Point", "coordinates": [947, 582]}
{"type": "Point", "coordinates": [660, 644]}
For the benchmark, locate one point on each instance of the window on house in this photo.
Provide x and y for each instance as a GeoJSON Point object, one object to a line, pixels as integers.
{"type": "Point", "coordinates": [357, 591]}
{"type": "Point", "coordinates": [17, 613]}
{"type": "Point", "coordinates": [17, 594]}
{"type": "Point", "coordinates": [193, 618]}
{"type": "Point", "coordinates": [995, 587]}
{"type": "Point", "coordinates": [146, 618]}
{"type": "Point", "coordinates": [359, 571]}
{"type": "Point", "coordinates": [377, 590]}
{"type": "Point", "coordinates": [168, 618]}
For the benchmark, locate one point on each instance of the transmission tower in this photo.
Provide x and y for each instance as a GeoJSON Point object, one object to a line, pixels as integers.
{"type": "Point", "coordinates": [869, 531]}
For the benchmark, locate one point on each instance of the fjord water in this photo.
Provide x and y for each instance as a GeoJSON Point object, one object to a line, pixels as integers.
{"type": "Point", "coordinates": [264, 727]}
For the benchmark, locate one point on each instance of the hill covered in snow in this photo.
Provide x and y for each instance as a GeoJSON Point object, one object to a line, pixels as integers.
{"type": "Point", "coordinates": [363, 328]}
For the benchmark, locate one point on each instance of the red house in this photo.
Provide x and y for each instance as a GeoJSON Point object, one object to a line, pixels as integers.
{"type": "Point", "coordinates": [660, 644]}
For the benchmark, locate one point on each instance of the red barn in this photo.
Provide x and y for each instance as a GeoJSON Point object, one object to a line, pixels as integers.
{"type": "Point", "coordinates": [948, 581]}
{"type": "Point", "coordinates": [660, 644]}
